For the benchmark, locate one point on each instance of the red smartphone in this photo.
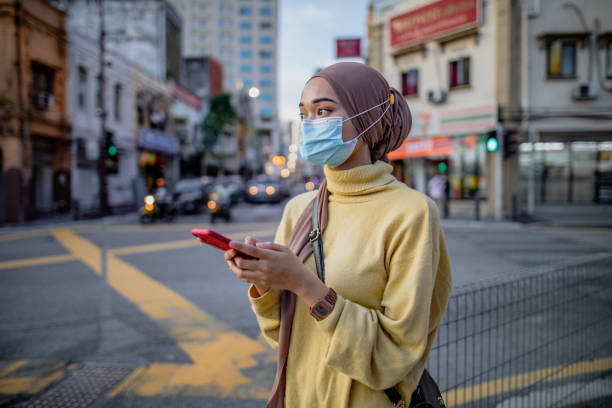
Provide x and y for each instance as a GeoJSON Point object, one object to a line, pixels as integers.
{"type": "Point", "coordinates": [215, 239]}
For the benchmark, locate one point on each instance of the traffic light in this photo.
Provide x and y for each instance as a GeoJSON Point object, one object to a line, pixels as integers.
{"type": "Point", "coordinates": [510, 143]}
{"type": "Point", "coordinates": [111, 159]}
{"type": "Point", "coordinates": [492, 142]}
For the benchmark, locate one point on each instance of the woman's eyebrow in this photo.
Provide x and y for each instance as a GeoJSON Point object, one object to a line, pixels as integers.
{"type": "Point", "coordinates": [319, 100]}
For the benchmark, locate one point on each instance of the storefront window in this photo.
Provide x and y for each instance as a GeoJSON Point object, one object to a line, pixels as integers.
{"type": "Point", "coordinates": [561, 59]}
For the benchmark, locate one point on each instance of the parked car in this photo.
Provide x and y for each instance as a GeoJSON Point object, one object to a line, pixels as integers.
{"type": "Point", "coordinates": [190, 195]}
{"type": "Point", "coordinates": [263, 189]}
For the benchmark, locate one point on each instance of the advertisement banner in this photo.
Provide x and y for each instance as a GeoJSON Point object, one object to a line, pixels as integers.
{"type": "Point", "coordinates": [434, 20]}
{"type": "Point", "coordinates": [348, 47]}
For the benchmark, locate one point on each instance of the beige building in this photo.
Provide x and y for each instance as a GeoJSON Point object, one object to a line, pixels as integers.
{"type": "Point", "coordinates": [527, 74]}
{"type": "Point", "coordinates": [34, 124]}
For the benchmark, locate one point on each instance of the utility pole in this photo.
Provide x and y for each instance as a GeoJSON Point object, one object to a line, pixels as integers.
{"type": "Point", "coordinates": [104, 210]}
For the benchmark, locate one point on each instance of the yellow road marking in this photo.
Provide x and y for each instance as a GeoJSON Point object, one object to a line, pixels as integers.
{"type": "Point", "coordinates": [32, 384]}
{"type": "Point", "coordinates": [12, 367]}
{"type": "Point", "coordinates": [488, 389]}
{"type": "Point", "coordinates": [164, 246]}
{"type": "Point", "coordinates": [218, 353]}
{"type": "Point", "coordinates": [175, 227]}
{"type": "Point", "coordinates": [43, 260]}
{"type": "Point", "coordinates": [22, 235]}
{"type": "Point", "coordinates": [80, 248]}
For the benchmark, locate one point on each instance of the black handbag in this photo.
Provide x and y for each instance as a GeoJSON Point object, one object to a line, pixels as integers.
{"type": "Point", "coordinates": [427, 393]}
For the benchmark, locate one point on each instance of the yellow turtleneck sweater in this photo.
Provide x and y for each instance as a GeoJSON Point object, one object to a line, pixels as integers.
{"type": "Point", "coordinates": [386, 257]}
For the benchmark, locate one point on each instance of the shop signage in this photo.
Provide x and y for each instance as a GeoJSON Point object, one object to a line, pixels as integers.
{"type": "Point", "coordinates": [433, 20]}
{"type": "Point", "coordinates": [349, 47]}
{"type": "Point", "coordinates": [436, 146]}
{"type": "Point", "coordinates": [454, 121]}
{"type": "Point", "coordinates": [157, 141]}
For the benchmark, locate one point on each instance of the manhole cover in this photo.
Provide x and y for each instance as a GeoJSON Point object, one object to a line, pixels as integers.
{"type": "Point", "coordinates": [81, 388]}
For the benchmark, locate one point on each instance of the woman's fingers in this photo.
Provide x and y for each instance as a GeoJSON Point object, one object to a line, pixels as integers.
{"type": "Point", "coordinates": [243, 263]}
{"type": "Point", "coordinates": [243, 274]}
{"type": "Point", "coordinates": [230, 254]}
{"type": "Point", "coordinates": [251, 241]}
{"type": "Point", "coordinates": [271, 246]}
{"type": "Point", "coordinates": [248, 249]}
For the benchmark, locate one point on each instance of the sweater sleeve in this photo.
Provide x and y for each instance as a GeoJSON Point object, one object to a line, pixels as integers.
{"type": "Point", "coordinates": [381, 348]}
{"type": "Point", "coordinates": [267, 305]}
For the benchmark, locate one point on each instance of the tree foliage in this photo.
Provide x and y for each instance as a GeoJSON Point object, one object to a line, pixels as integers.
{"type": "Point", "coordinates": [220, 116]}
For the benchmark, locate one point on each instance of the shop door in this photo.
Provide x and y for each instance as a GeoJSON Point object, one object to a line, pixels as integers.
{"type": "Point", "coordinates": [43, 182]}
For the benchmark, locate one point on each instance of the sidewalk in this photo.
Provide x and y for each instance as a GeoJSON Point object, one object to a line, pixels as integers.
{"type": "Point", "coordinates": [556, 215]}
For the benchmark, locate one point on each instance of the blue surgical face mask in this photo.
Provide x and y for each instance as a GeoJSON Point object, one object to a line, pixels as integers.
{"type": "Point", "coordinates": [321, 139]}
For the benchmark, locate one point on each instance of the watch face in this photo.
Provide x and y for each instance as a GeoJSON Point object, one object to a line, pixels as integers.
{"type": "Point", "coordinates": [320, 309]}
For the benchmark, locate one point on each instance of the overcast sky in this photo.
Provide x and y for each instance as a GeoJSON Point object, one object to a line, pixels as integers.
{"type": "Point", "coordinates": [308, 29]}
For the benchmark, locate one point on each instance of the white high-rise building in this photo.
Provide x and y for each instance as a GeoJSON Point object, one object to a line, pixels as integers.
{"type": "Point", "coordinates": [242, 35]}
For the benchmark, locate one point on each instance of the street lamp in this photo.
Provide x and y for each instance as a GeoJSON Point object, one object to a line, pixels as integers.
{"type": "Point", "coordinates": [254, 92]}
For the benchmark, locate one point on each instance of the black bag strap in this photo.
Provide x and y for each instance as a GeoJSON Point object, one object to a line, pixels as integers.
{"type": "Point", "coordinates": [317, 247]}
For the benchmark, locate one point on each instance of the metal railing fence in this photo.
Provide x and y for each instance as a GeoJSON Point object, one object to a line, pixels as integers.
{"type": "Point", "coordinates": [537, 339]}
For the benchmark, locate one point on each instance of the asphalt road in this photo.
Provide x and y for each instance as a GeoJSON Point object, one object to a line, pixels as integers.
{"type": "Point", "coordinates": [145, 316]}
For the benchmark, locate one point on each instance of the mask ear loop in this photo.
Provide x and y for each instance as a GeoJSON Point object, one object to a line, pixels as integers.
{"type": "Point", "coordinates": [390, 100]}
{"type": "Point", "coordinates": [375, 122]}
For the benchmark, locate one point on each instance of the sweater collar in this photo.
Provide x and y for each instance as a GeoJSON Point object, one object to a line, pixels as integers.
{"type": "Point", "coordinates": [358, 180]}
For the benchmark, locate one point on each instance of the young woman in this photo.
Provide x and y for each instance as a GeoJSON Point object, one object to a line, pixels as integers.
{"type": "Point", "coordinates": [371, 324]}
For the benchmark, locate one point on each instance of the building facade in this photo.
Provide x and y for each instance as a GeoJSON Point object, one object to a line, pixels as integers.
{"type": "Point", "coordinates": [443, 57]}
{"type": "Point", "coordinates": [147, 33]}
{"type": "Point", "coordinates": [566, 94]}
{"type": "Point", "coordinates": [84, 106]}
{"type": "Point", "coordinates": [35, 128]}
{"type": "Point", "coordinates": [243, 36]}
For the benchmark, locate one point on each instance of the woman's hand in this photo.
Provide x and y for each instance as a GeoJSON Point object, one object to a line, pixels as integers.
{"type": "Point", "coordinates": [276, 267]}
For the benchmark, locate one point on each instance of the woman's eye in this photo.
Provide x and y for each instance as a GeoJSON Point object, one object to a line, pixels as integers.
{"type": "Point", "coordinates": [302, 115]}
{"type": "Point", "coordinates": [323, 111]}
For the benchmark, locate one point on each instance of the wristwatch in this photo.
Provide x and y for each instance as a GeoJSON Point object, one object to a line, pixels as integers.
{"type": "Point", "coordinates": [324, 307]}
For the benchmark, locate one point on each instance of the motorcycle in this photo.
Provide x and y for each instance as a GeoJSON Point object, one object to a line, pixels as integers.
{"type": "Point", "coordinates": [155, 209]}
{"type": "Point", "coordinates": [219, 207]}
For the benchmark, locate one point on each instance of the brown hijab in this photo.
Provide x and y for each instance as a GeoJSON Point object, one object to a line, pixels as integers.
{"type": "Point", "coordinates": [358, 87]}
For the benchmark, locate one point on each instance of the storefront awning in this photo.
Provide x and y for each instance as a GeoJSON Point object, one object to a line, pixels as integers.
{"type": "Point", "coordinates": [435, 146]}
{"type": "Point", "coordinates": [158, 142]}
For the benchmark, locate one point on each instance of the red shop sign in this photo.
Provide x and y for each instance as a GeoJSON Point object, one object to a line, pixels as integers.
{"type": "Point", "coordinates": [434, 20]}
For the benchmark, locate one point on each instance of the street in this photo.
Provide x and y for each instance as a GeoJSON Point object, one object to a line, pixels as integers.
{"type": "Point", "coordinates": [153, 318]}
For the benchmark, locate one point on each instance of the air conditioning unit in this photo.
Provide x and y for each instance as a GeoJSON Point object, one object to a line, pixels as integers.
{"type": "Point", "coordinates": [531, 8]}
{"type": "Point", "coordinates": [436, 96]}
{"type": "Point", "coordinates": [45, 100]}
{"type": "Point", "coordinates": [585, 92]}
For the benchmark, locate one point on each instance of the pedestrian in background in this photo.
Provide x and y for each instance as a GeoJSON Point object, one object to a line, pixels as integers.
{"type": "Point", "coordinates": [370, 324]}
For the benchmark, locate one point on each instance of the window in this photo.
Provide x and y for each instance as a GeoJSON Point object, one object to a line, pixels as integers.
{"type": "Point", "coordinates": [202, 22]}
{"type": "Point", "coordinates": [246, 25]}
{"type": "Point", "coordinates": [265, 39]}
{"type": "Point", "coordinates": [226, 9]}
{"type": "Point", "coordinates": [245, 68]}
{"type": "Point", "coordinates": [459, 74]}
{"type": "Point", "coordinates": [561, 57]}
{"type": "Point", "coordinates": [82, 88]}
{"type": "Point", "coordinates": [202, 37]}
{"type": "Point", "coordinates": [226, 37]}
{"type": "Point", "coordinates": [247, 82]}
{"type": "Point", "coordinates": [266, 114]}
{"type": "Point", "coordinates": [609, 60]}
{"type": "Point", "coordinates": [265, 25]}
{"type": "Point", "coordinates": [226, 52]}
{"type": "Point", "coordinates": [246, 53]}
{"type": "Point", "coordinates": [265, 69]}
{"type": "Point", "coordinates": [265, 11]}
{"type": "Point", "coordinates": [246, 39]}
{"type": "Point", "coordinates": [410, 82]}
{"type": "Point", "coordinates": [118, 91]}
{"type": "Point", "coordinates": [246, 11]}
{"type": "Point", "coordinates": [42, 82]}
{"type": "Point", "coordinates": [266, 53]}
{"type": "Point", "coordinates": [266, 96]}
{"type": "Point", "coordinates": [266, 83]}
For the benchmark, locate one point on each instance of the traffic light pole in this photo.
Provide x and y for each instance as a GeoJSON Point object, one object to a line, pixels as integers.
{"type": "Point", "coordinates": [104, 210]}
{"type": "Point", "coordinates": [499, 166]}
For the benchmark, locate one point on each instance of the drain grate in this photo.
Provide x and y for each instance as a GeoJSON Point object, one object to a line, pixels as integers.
{"type": "Point", "coordinates": [81, 388]}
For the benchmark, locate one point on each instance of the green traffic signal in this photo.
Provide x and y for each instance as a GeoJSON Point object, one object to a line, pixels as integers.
{"type": "Point", "coordinates": [112, 150]}
{"type": "Point", "coordinates": [442, 166]}
{"type": "Point", "coordinates": [492, 144]}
